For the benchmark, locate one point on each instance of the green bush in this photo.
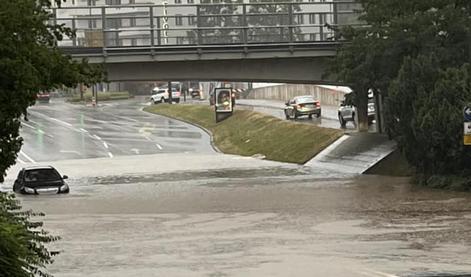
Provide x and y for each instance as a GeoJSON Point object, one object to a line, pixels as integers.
{"type": "Point", "coordinates": [22, 250]}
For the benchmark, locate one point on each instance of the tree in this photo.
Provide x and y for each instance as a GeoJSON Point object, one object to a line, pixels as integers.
{"type": "Point", "coordinates": [415, 53]}
{"type": "Point", "coordinates": [22, 253]}
{"type": "Point", "coordinates": [30, 62]}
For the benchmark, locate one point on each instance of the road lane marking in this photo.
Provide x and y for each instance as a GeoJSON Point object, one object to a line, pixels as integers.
{"type": "Point", "coordinates": [63, 122]}
{"type": "Point", "coordinates": [97, 137]}
{"type": "Point", "coordinates": [27, 125]}
{"type": "Point", "coordinates": [374, 273]}
{"type": "Point", "coordinates": [158, 146]}
{"type": "Point", "coordinates": [135, 150]}
{"type": "Point", "coordinates": [83, 130]}
{"type": "Point", "coordinates": [21, 161]}
{"type": "Point", "coordinates": [106, 145]}
{"type": "Point", "coordinates": [110, 154]}
{"type": "Point", "coordinates": [27, 157]}
{"type": "Point", "coordinates": [36, 129]}
{"type": "Point", "coordinates": [70, 151]}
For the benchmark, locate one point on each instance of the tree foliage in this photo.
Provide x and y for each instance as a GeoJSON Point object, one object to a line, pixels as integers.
{"type": "Point", "coordinates": [415, 53]}
{"type": "Point", "coordinates": [22, 250]}
{"type": "Point", "coordinates": [30, 62]}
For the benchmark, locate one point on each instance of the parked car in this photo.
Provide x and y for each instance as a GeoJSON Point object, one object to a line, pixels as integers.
{"type": "Point", "coordinates": [195, 93]}
{"type": "Point", "coordinates": [347, 113]}
{"type": "Point", "coordinates": [160, 95]}
{"type": "Point", "coordinates": [43, 97]}
{"type": "Point", "coordinates": [40, 180]}
{"type": "Point", "coordinates": [302, 106]}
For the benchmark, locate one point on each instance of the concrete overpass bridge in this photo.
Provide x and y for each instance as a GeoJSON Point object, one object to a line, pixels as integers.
{"type": "Point", "coordinates": [266, 42]}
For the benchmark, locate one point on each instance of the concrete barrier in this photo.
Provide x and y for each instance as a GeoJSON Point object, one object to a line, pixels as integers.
{"type": "Point", "coordinates": [327, 95]}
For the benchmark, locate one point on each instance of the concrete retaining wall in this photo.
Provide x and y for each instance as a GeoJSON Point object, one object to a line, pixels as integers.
{"type": "Point", "coordinates": [327, 96]}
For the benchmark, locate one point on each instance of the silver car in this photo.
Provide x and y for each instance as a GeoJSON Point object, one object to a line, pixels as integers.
{"type": "Point", "coordinates": [301, 106]}
{"type": "Point", "coordinates": [347, 113]}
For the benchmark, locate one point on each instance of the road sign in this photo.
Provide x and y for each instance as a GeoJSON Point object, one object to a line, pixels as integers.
{"type": "Point", "coordinates": [467, 133]}
{"type": "Point", "coordinates": [467, 114]}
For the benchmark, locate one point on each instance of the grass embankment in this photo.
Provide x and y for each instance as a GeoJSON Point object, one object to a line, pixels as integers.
{"type": "Point", "coordinates": [247, 133]}
{"type": "Point", "coordinates": [102, 96]}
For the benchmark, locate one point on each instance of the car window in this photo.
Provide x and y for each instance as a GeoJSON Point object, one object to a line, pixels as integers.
{"type": "Point", "coordinates": [161, 91]}
{"type": "Point", "coordinates": [305, 100]}
{"type": "Point", "coordinates": [39, 175]}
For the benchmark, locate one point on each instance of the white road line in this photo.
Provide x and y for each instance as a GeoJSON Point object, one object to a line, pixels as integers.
{"type": "Point", "coordinates": [374, 273]}
{"type": "Point", "coordinates": [110, 154]}
{"type": "Point", "coordinates": [106, 145]}
{"type": "Point", "coordinates": [83, 130]}
{"type": "Point", "coordinates": [63, 122]}
{"type": "Point", "coordinates": [37, 129]}
{"type": "Point", "coordinates": [147, 137]}
{"type": "Point", "coordinates": [21, 161]}
{"type": "Point", "coordinates": [70, 151]}
{"type": "Point", "coordinates": [34, 122]}
{"type": "Point", "coordinates": [159, 146]}
{"type": "Point", "coordinates": [135, 150]}
{"type": "Point", "coordinates": [97, 137]}
{"type": "Point", "coordinates": [27, 157]}
{"type": "Point", "coordinates": [29, 126]}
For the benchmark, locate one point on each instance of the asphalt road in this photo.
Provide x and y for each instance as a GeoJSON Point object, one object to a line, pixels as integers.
{"type": "Point", "coordinates": [58, 131]}
{"type": "Point", "coordinates": [185, 210]}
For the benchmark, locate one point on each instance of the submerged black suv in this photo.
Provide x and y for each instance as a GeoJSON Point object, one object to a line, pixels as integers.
{"type": "Point", "coordinates": [40, 180]}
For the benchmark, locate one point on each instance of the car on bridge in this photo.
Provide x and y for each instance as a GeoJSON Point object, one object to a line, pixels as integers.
{"type": "Point", "coordinates": [161, 95]}
{"type": "Point", "coordinates": [40, 180]}
{"type": "Point", "coordinates": [304, 105]}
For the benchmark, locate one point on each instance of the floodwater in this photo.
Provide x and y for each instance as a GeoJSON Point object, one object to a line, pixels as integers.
{"type": "Point", "coordinates": [150, 197]}
{"type": "Point", "coordinates": [256, 222]}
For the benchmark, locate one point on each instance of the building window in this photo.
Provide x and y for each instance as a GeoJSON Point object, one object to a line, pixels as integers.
{"type": "Point", "coordinates": [312, 37]}
{"type": "Point", "coordinates": [178, 20]}
{"type": "Point", "coordinates": [191, 20]}
{"type": "Point", "coordinates": [132, 2]}
{"type": "Point", "coordinates": [113, 23]}
{"type": "Point", "coordinates": [178, 1]}
{"type": "Point", "coordinates": [180, 40]}
{"type": "Point", "coordinates": [92, 23]}
{"type": "Point", "coordinates": [113, 2]}
{"type": "Point", "coordinates": [312, 18]}
{"type": "Point", "coordinates": [191, 1]}
{"type": "Point", "coordinates": [300, 19]}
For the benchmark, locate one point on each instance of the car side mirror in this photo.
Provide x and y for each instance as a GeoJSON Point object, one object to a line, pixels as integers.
{"type": "Point", "coordinates": [65, 177]}
{"type": "Point", "coordinates": [287, 103]}
{"type": "Point", "coordinates": [342, 103]}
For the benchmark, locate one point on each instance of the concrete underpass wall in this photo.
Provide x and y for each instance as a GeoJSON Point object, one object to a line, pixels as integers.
{"type": "Point", "coordinates": [327, 95]}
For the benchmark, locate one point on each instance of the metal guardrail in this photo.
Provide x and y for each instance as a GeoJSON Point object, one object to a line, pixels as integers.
{"type": "Point", "coordinates": [147, 26]}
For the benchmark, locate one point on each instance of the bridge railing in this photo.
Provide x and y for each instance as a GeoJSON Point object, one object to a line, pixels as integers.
{"type": "Point", "coordinates": [204, 24]}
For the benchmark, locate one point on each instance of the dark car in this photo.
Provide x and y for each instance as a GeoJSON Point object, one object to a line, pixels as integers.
{"type": "Point", "coordinates": [40, 180]}
{"type": "Point", "coordinates": [43, 97]}
{"type": "Point", "coordinates": [302, 105]}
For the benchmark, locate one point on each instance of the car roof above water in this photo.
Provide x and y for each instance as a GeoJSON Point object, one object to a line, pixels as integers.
{"type": "Point", "coordinates": [38, 167]}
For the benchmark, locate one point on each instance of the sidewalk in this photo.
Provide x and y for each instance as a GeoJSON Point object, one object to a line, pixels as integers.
{"type": "Point", "coordinates": [354, 153]}
{"type": "Point", "coordinates": [329, 112]}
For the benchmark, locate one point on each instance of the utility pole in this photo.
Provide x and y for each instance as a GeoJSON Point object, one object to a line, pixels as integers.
{"type": "Point", "coordinates": [169, 89]}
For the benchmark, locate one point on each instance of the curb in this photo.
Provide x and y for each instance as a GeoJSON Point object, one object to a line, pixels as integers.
{"type": "Point", "coordinates": [211, 137]}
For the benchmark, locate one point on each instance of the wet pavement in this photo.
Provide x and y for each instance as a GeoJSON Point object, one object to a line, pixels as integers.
{"type": "Point", "coordinates": [194, 212]}
{"type": "Point", "coordinates": [59, 131]}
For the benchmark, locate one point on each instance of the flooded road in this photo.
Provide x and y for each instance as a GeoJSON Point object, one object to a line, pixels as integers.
{"type": "Point", "coordinates": [185, 210]}
{"type": "Point", "coordinates": [274, 221]}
